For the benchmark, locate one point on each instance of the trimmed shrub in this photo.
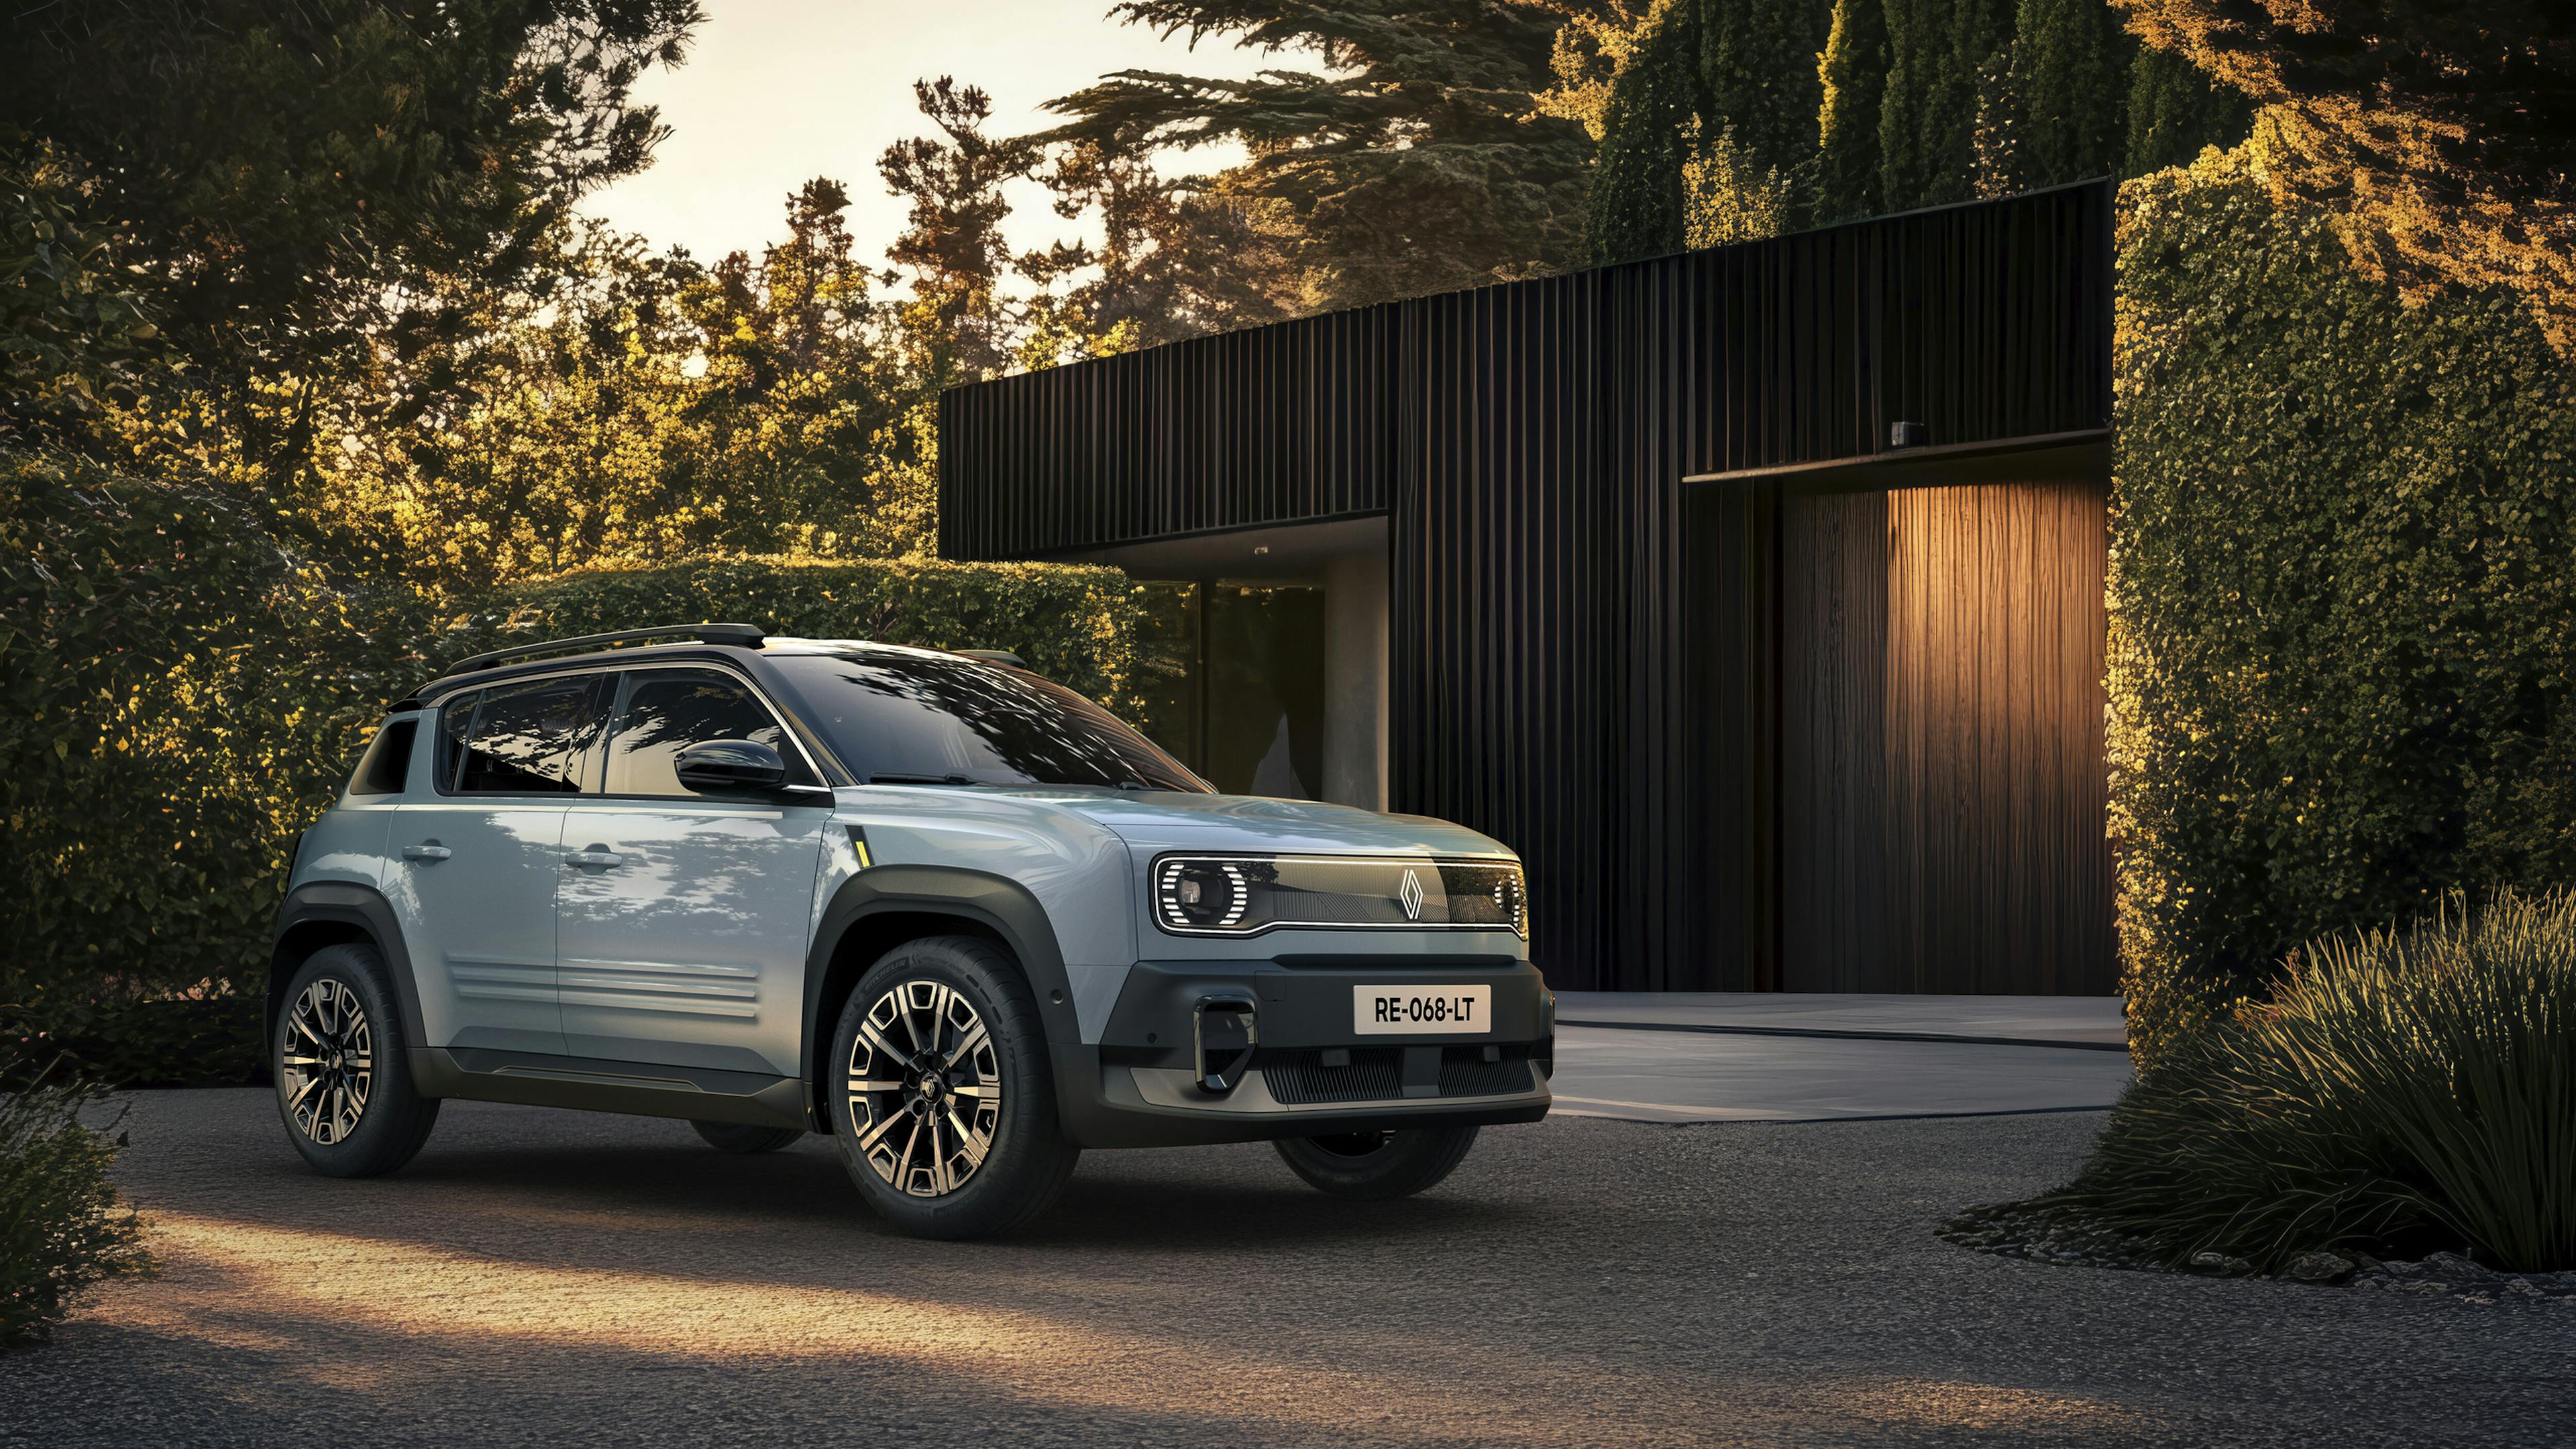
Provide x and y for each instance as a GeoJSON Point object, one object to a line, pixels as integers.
{"type": "Point", "coordinates": [62, 1227]}
{"type": "Point", "coordinates": [180, 697]}
{"type": "Point", "coordinates": [2403, 1092]}
{"type": "Point", "coordinates": [2342, 579]}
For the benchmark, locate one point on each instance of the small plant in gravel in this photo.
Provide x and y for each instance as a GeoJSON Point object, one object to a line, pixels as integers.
{"type": "Point", "coordinates": [2404, 1092]}
{"type": "Point", "coordinates": [62, 1226]}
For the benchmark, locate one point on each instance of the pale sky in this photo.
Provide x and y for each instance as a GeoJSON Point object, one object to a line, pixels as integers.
{"type": "Point", "coordinates": [776, 92]}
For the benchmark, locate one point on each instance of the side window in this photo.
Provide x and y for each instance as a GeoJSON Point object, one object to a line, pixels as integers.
{"type": "Point", "coordinates": [453, 718]}
{"type": "Point", "coordinates": [668, 710]}
{"type": "Point", "coordinates": [387, 764]}
{"type": "Point", "coordinates": [525, 739]}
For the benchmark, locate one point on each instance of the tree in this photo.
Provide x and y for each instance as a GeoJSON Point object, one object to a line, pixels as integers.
{"type": "Point", "coordinates": [2175, 112]}
{"type": "Point", "coordinates": [1171, 263]}
{"type": "Point", "coordinates": [1640, 203]}
{"type": "Point", "coordinates": [1763, 91]}
{"type": "Point", "coordinates": [2444, 128]}
{"type": "Point", "coordinates": [2069, 66]}
{"type": "Point", "coordinates": [952, 239]}
{"type": "Point", "coordinates": [1412, 162]}
{"type": "Point", "coordinates": [1927, 123]}
{"type": "Point", "coordinates": [289, 177]}
{"type": "Point", "coordinates": [1852, 74]}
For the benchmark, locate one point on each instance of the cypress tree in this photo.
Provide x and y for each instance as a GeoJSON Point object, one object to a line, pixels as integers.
{"type": "Point", "coordinates": [1638, 208]}
{"type": "Point", "coordinates": [2174, 111]}
{"type": "Point", "coordinates": [1927, 124]}
{"type": "Point", "coordinates": [1852, 75]}
{"type": "Point", "coordinates": [1758, 70]}
{"type": "Point", "coordinates": [2068, 58]}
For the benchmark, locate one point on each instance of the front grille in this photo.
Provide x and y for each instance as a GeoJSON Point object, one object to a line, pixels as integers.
{"type": "Point", "coordinates": [1464, 1072]}
{"type": "Point", "coordinates": [1375, 1073]}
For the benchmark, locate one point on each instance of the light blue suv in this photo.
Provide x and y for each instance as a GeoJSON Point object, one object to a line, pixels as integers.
{"type": "Point", "coordinates": [954, 916]}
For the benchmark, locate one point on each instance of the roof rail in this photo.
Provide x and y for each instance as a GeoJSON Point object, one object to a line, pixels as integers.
{"type": "Point", "coordinates": [746, 635]}
{"type": "Point", "coordinates": [993, 656]}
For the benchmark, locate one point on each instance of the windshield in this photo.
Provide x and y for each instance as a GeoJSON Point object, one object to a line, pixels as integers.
{"type": "Point", "coordinates": [934, 719]}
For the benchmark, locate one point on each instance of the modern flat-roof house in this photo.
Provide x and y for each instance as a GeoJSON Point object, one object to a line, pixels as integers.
{"type": "Point", "coordinates": [1754, 595]}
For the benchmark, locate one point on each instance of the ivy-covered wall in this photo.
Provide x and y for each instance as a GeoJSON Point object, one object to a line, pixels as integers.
{"type": "Point", "coordinates": [2342, 595]}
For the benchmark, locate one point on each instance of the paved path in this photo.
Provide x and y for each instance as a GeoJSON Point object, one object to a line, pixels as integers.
{"type": "Point", "coordinates": [567, 1280]}
{"type": "Point", "coordinates": [1673, 1076]}
{"type": "Point", "coordinates": [2071, 1021]}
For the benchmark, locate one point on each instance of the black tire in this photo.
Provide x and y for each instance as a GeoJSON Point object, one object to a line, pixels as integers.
{"type": "Point", "coordinates": [345, 1092]}
{"type": "Point", "coordinates": [1025, 1159]}
{"type": "Point", "coordinates": [1376, 1166]}
{"type": "Point", "coordinates": [743, 1138]}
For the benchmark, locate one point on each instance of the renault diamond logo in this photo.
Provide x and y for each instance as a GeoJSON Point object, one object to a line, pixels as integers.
{"type": "Point", "coordinates": [1411, 895]}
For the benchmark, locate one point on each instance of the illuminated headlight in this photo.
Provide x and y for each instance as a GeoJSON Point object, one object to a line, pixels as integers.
{"type": "Point", "coordinates": [1242, 895]}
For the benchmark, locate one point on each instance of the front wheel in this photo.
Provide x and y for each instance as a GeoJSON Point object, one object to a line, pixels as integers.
{"type": "Point", "coordinates": [1376, 1166]}
{"type": "Point", "coordinates": [944, 1102]}
{"type": "Point", "coordinates": [343, 1085]}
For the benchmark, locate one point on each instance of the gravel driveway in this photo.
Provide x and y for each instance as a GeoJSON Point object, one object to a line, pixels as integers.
{"type": "Point", "coordinates": [563, 1279]}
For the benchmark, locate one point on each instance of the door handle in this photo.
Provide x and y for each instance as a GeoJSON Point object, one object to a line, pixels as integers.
{"type": "Point", "coordinates": [587, 859]}
{"type": "Point", "coordinates": [431, 851]}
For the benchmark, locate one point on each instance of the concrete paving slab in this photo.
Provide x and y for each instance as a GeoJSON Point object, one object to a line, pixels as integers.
{"type": "Point", "coordinates": [1678, 1076]}
{"type": "Point", "coordinates": [2077, 1021]}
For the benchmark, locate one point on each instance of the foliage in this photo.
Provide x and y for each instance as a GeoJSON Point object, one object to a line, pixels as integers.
{"type": "Point", "coordinates": [1708, 127]}
{"type": "Point", "coordinates": [1758, 63]}
{"type": "Point", "coordinates": [181, 697]}
{"type": "Point", "coordinates": [2068, 64]}
{"type": "Point", "coordinates": [2175, 112]}
{"type": "Point", "coordinates": [285, 174]}
{"type": "Point", "coordinates": [1411, 162]}
{"type": "Point", "coordinates": [1640, 201]}
{"type": "Point", "coordinates": [62, 1228]}
{"type": "Point", "coordinates": [1927, 118]}
{"type": "Point", "coordinates": [74, 336]}
{"type": "Point", "coordinates": [2402, 1091]}
{"type": "Point", "coordinates": [2445, 128]}
{"type": "Point", "coordinates": [1853, 74]}
{"type": "Point", "coordinates": [2340, 538]}
{"type": "Point", "coordinates": [1709, 133]}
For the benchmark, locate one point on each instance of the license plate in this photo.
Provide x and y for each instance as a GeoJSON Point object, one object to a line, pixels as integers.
{"type": "Point", "coordinates": [1421, 1010]}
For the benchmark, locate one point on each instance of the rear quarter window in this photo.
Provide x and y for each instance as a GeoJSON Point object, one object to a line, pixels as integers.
{"type": "Point", "coordinates": [385, 769]}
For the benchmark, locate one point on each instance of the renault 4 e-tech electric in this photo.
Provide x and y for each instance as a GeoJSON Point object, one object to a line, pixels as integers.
{"type": "Point", "coordinates": [955, 917]}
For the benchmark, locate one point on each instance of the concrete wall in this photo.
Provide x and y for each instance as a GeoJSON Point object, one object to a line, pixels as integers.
{"type": "Point", "coordinates": [1355, 693]}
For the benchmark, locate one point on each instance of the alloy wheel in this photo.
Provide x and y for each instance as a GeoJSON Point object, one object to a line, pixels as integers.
{"type": "Point", "coordinates": [329, 1061]}
{"type": "Point", "coordinates": [925, 1088]}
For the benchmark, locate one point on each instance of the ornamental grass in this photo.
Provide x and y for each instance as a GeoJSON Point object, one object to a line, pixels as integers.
{"type": "Point", "coordinates": [2406, 1090]}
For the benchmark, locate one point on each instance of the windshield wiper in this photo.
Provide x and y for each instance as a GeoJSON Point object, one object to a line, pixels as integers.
{"type": "Point", "coordinates": [896, 777]}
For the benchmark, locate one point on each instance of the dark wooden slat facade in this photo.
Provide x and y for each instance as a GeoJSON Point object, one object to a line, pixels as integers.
{"type": "Point", "coordinates": [1588, 654]}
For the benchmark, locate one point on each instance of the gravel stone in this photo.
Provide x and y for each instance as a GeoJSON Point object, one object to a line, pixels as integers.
{"type": "Point", "coordinates": [557, 1279]}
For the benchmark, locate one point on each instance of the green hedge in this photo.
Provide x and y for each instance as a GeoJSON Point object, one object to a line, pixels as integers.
{"type": "Point", "coordinates": [2342, 574]}
{"type": "Point", "coordinates": [182, 696]}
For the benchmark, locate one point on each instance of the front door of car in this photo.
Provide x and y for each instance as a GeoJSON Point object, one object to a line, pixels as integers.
{"type": "Point", "coordinates": [681, 917]}
{"type": "Point", "coordinates": [474, 863]}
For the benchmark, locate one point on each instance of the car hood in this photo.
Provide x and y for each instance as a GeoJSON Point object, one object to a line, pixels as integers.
{"type": "Point", "coordinates": [1189, 821]}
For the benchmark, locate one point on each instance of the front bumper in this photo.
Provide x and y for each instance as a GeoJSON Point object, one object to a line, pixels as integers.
{"type": "Point", "coordinates": [1311, 1072]}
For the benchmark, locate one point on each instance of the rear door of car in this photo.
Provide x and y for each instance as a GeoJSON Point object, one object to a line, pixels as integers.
{"type": "Point", "coordinates": [681, 917]}
{"type": "Point", "coordinates": [474, 861]}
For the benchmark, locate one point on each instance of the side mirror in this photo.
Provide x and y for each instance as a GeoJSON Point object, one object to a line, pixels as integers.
{"type": "Point", "coordinates": [716, 766]}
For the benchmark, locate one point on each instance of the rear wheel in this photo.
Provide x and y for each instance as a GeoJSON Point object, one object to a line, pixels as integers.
{"type": "Point", "coordinates": [944, 1100]}
{"type": "Point", "coordinates": [344, 1088]}
{"type": "Point", "coordinates": [743, 1138]}
{"type": "Point", "coordinates": [1375, 1166]}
